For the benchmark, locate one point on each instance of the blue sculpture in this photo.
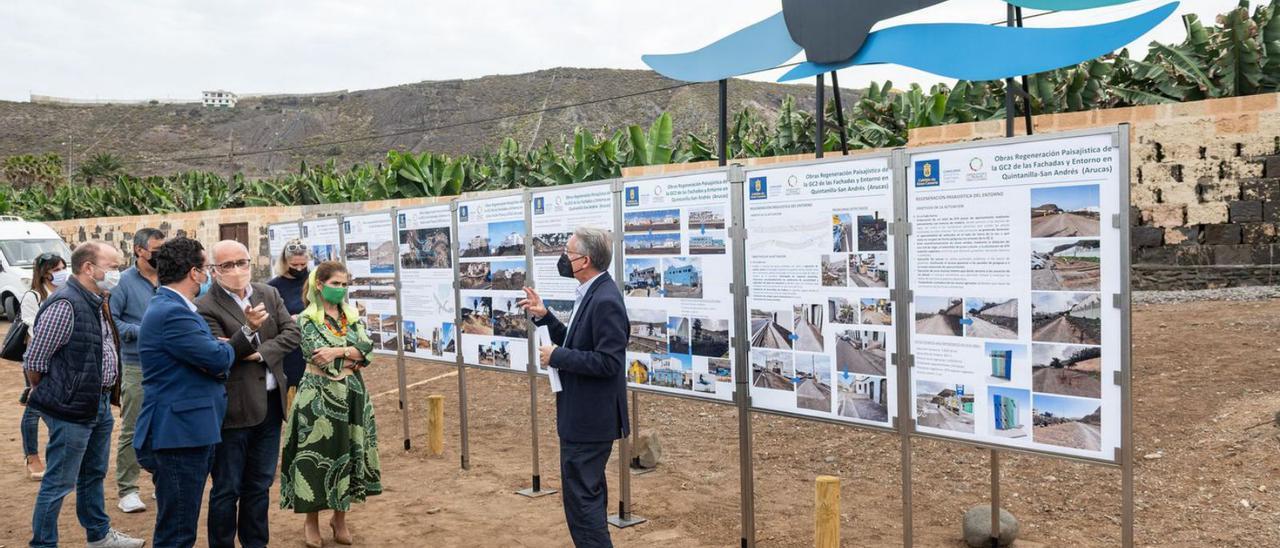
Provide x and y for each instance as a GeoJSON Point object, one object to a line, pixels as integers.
{"type": "Point", "coordinates": [835, 34]}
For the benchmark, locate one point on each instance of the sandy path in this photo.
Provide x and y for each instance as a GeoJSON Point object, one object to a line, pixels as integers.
{"type": "Point", "coordinates": [937, 324]}
{"type": "Point", "coordinates": [986, 329]}
{"type": "Point", "coordinates": [1062, 225]}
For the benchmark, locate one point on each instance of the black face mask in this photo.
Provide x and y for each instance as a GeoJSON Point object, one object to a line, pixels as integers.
{"type": "Point", "coordinates": [298, 273]}
{"type": "Point", "coordinates": [565, 266]}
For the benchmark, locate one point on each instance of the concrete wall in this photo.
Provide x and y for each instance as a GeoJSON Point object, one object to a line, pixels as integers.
{"type": "Point", "coordinates": [1205, 192]}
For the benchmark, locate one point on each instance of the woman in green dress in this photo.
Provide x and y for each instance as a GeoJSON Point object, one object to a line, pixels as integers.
{"type": "Point", "coordinates": [330, 457]}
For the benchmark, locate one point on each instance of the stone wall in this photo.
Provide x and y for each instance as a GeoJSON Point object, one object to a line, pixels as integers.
{"type": "Point", "coordinates": [1205, 190]}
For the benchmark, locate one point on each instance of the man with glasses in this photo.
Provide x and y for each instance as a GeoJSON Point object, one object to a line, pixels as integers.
{"type": "Point", "coordinates": [244, 464]}
{"type": "Point", "coordinates": [72, 364]}
{"type": "Point", "coordinates": [184, 368]}
{"type": "Point", "coordinates": [128, 303]}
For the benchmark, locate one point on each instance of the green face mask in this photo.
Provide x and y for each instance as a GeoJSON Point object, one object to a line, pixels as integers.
{"type": "Point", "coordinates": [334, 295]}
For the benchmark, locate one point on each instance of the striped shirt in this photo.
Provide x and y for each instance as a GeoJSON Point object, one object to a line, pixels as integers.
{"type": "Point", "coordinates": [54, 331]}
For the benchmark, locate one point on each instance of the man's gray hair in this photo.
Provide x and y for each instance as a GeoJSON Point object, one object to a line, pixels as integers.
{"type": "Point", "coordinates": [596, 244]}
{"type": "Point", "coordinates": [144, 236]}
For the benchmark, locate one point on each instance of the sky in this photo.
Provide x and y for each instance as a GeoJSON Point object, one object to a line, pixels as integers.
{"type": "Point", "coordinates": [173, 49]}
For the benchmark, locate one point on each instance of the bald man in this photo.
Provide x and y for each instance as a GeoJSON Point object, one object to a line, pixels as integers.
{"type": "Point", "coordinates": [244, 464]}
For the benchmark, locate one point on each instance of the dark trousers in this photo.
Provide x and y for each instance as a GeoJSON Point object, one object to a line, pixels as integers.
{"type": "Point", "coordinates": [585, 492]}
{"type": "Point", "coordinates": [179, 476]}
{"type": "Point", "coordinates": [244, 467]}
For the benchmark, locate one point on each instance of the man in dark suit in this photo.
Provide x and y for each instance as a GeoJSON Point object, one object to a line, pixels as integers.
{"type": "Point", "coordinates": [183, 400]}
{"type": "Point", "coordinates": [588, 356]}
{"type": "Point", "coordinates": [244, 464]}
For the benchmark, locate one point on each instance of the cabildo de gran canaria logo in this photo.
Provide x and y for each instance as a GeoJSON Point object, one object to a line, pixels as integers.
{"type": "Point", "coordinates": [539, 205]}
{"type": "Point", "coordinates": [633, 196]}
{"type": "Point", "coordinates": [927, 173]}
{"type": "Point", "coordinates": [759, 188]}
{"type": "Point", "coordinates": [462, 213]}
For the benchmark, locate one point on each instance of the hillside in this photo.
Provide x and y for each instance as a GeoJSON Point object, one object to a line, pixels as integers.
{"type": "Point", "coordinates": [160, 131]}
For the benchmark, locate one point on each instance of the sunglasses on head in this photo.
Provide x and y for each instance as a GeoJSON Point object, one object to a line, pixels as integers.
{"type": "Point", "coordinates": [45, 258]}
{"type": "Point", "coordinates": [295, 248]}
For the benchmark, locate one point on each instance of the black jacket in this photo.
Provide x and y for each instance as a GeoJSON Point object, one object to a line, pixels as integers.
{"type": "Point", "coordinates": [591, 361]}
{"type": "Point", "coordinates": [72, 388]}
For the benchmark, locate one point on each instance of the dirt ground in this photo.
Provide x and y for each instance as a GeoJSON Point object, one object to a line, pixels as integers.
{"type": "Point", "coordinates": [1207, 463]}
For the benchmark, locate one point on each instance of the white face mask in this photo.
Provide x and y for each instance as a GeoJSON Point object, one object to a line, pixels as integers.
{"type": "Point", "coordinates": [109, 279]}
{"type": "Point", "coordinates": [60, 278]}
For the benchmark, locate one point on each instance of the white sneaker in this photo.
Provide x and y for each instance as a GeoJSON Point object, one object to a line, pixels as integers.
{"type": "Point", "coordinates": [132, 503]}
{"type": "Point", "coordinates": [116, 539]}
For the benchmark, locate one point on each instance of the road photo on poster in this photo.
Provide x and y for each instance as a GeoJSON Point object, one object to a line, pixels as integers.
{"type": "Point", "coordinates": [1016, 255]}
{"type": "Point", "coordinates": [676, 271]}
{"type": "Point", "coordinates": [491, 275]}
{"type": "Point", "coordinates": [370, 244]}
{"type": "Point", "coordinates": [820, 273]}
{"type": "Point", "coordinates": [322, 238]}
{"type": "Point", "coordinates": [556, 214]}
{"type": "Point", "coordinates": [425, 252]}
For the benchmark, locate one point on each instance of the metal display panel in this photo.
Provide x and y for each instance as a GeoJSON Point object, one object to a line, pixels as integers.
{"type": "Point", "coordinates": [323, 237]}
{"type": "Point", "coordinates": [426, 261]}
{"type": "Point", "coordinates": [494, 332]}
{"type": "Point", "coordinates": [555, 213]}
{"type": "Point", "coordinates": [676, 270]}
{"type": "Point", "coordinates": [278, 235]}
{"type": "Point", "coordinates": [1019, 312]}
{"type": "Point", "coordinates": [820, 266]}
{"type": "Point", "coordinates": [370, 253]}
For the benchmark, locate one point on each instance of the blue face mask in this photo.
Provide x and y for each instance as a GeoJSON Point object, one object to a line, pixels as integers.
{"type": "Point", "coordinates": [204, 287]}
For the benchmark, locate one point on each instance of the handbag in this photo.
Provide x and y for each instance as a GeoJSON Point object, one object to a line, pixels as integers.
{"type": "Point", "coordinates": [15, 342]}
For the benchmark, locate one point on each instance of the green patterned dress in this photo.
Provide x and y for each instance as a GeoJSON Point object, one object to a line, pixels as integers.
{"type": "Point", "coordinates": [330, 457]}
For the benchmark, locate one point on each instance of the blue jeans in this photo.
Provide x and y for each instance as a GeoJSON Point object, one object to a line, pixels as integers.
{"type": "Point", "coordinates": [179, 476]}
{"type": "Point", "coordinates": [244, 467]}
{"type": "Point", "coordinates": [30, 431]}
{"type": "Point", "coordinates": [78, 454]}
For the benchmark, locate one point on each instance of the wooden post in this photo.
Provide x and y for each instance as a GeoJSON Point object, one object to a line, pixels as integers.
{"type": "Point", "coordinates": [826, 512]}
{"type": "Point", "coordinates": [435, 425]}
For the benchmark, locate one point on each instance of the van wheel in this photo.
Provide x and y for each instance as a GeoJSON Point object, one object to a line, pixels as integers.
{"type": "Point", "coordinates": [10, 308]}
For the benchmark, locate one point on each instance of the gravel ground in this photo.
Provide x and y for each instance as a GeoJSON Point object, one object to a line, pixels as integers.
{"type": "Point", "coordinates": [1252, 293]}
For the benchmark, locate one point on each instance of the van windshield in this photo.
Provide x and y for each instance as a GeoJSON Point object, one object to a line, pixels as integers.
{"type": "Point", "coordinates": [24, 252]}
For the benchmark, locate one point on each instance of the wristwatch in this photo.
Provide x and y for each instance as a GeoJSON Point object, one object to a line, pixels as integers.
{"type": "Point", "coordinates": [248, 333]}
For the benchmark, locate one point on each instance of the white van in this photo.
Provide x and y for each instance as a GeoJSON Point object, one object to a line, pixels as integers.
{"type": "Point", "coordinates": [20, 243]}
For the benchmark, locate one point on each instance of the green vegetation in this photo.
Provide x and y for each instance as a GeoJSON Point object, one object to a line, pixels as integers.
{"type": "Point", "coordinates": [1239, 55]}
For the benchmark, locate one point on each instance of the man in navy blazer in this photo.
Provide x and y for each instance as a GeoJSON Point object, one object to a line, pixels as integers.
{"type": "Point", "coordinates": [184, 401]}
{"type": "Point", "coordinates": [588, 356]}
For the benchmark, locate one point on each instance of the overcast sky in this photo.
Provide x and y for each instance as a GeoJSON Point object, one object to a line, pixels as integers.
{"type": "Point", "coordinates": [143, 49]}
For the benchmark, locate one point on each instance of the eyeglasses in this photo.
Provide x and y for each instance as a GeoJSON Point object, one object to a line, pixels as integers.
{"type": "Point", "coordinates": [231, 266]}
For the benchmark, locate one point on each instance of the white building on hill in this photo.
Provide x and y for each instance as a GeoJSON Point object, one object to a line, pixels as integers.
{"type": "Point", "coordinates": [220, 98]}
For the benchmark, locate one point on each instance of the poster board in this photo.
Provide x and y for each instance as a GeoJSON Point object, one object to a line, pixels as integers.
{"type": "Point", "coordinates": [493, 266]}
{"type": "Point", "coordinates": [556, 213]}
{"type": "Point", "coordinates": [820, 269]}
{"type": "Point", "coordinates": [1017, 262]}
{"type": "Point", "coordinates": [677, 269]}
{"type": "Point", "coordinates": [324, 238]}
{"type": "Point", "coordinates": [370, 253]}
{"type": "Point", "coordinates": [425, 235]}
{"type": "Point", "coordinates": [277, 236]}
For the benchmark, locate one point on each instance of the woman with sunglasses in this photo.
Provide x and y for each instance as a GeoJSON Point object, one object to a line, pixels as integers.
{"type": "Point", "coordinates": [48, 274]}
{"type": "Point", "coordinates": [291, 275]}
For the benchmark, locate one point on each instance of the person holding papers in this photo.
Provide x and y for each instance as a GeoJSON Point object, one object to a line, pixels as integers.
{"type": "Point", "coordinates": [588, 357]}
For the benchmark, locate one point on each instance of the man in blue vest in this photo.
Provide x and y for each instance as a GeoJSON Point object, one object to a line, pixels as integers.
{"type": "Point", "coordinates": [587, 358]}
{"type": "Point", "coordinates": [73, 366]}
{"type": "Point", "coordinates": [184, 401]}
